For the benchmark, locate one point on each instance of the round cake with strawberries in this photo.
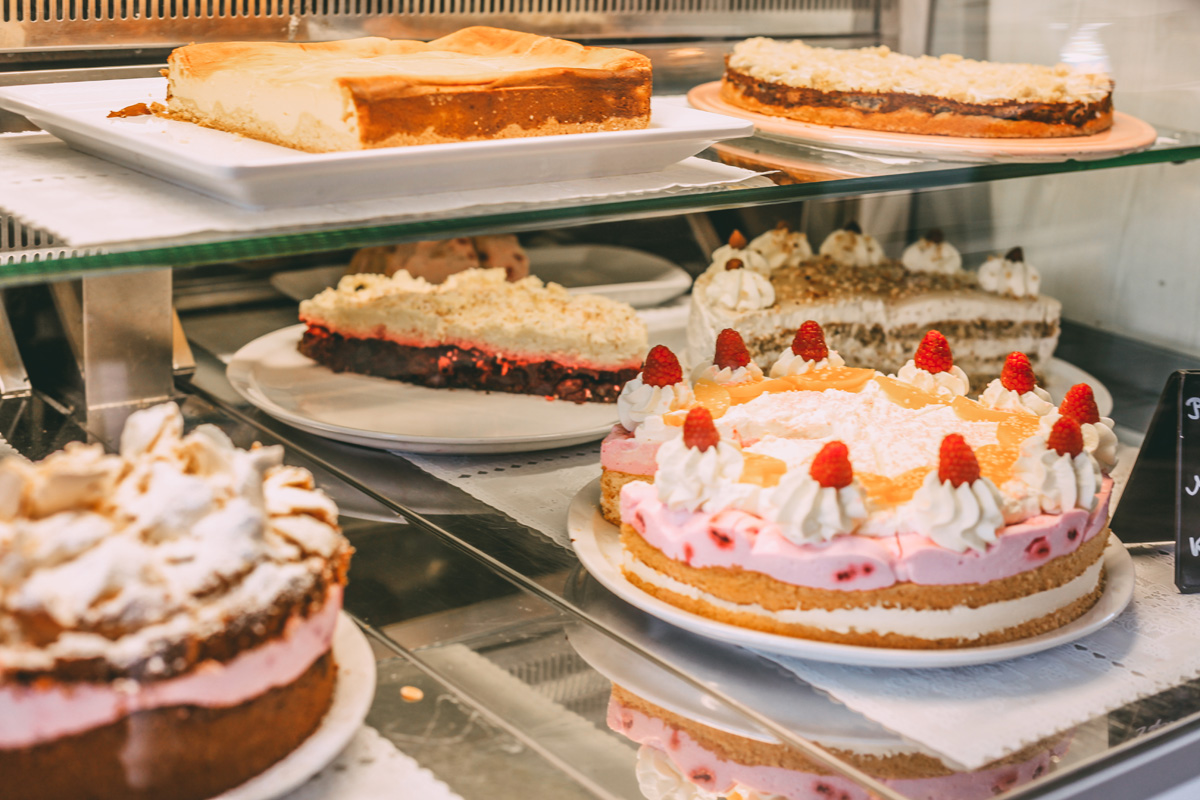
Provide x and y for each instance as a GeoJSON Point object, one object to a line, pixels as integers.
{"type": "Point", "coordinates": [837, 503]}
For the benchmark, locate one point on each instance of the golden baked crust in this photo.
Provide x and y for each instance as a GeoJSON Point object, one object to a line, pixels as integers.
{"type": "Point", "coordinates": [477, 83]}
{"type": "Point", "coordinates": [873, 89]}
{"type": "Point", "coordinates": [611, 483]}
{"type": "Point", "coordinates": [744, 587]}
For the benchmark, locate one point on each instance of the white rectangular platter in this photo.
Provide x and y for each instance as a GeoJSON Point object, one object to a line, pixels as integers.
{"type": "Point", "coordinates": [256, 174]}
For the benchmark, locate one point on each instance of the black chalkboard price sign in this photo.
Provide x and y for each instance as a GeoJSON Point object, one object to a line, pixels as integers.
{"type": "Point", "coordinates": [1161, 503]}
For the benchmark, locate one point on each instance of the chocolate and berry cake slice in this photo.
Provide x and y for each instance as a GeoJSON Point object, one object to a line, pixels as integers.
{"type": "Point", "coordinates": [166, 615]}
{"type": "Point", "coordinates": [476, 331]}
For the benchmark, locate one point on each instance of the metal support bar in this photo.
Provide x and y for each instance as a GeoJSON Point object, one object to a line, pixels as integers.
{"type": "Point", "coordinates": [127, 347]}
{"type": "Point", "coordinates": [14, 382]}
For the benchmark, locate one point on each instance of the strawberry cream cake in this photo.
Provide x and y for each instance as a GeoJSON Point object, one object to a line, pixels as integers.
{"type": "Point", "coordinates": [166, 614]}
{"type": "Point", "coordinates": [476, 331]}
{"type": "Point", "coordinates": [837, 503]}
{"type": "Point", "coordinates": [683, 759]}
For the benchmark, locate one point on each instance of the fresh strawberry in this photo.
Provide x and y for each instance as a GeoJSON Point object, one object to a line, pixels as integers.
{"type": "Point", "coordinates": [1065, 437]}
{"type": "Point", "coordinates": [956, 461]}
{"type": "Point", "coordinates": [809, 343]}
{"type": "Point", "coordinates": [734, 263]}
{"type": "Point", "coordinates": [698, 429]}
{"type": "Point", "coordinates": [661, 368]}
{"type": "Point", "coordinates": [831, 468]}
{"type": "Point", "coordinates": [731, 351]}
{"type": "Point", "coordinates": [1017, 375]}
{"type": "Point", "coordinates": [933, 354]}
{"type": "Point", "coordinates": [1080, 404]}
{"type": "Point", "coordinates": [737, 241]}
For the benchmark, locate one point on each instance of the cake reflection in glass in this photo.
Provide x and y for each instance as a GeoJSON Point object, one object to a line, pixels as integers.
{"type": "Point", "coordinates": [166, 614]}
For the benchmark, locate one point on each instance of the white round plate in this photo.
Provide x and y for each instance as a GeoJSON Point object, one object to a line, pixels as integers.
{"type": "Point", "coordinates": [620, 273]}
{"type": "Point", "coordinates": [391, 415]}
{"type": "Point", "coordinates": [1127, 135]}
{"type": "Point", "coordinates": [597, 544]}
{"type": "Point", "coordinates": [352, 698]}
{"type": "Point", "coordinates": [1060, 376]}
{"type": "Point", "coordinates": [745, 676]}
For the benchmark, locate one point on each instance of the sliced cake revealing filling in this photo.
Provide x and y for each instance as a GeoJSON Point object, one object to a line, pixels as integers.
{"type": "Point", "coordinates": [166, 614]}
{"type": "Point", "coordinates": [839, 504]}
{"type": "Point", "coordinates": [877, 89]}
{"type": "Point", "coordinates": [476, 331]}
{"type": "Point", "coordinates": [476, 83]}
{"type": "Point", "coordinates": [875, 310]}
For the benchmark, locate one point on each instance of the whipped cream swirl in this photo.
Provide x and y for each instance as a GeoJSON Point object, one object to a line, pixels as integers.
{"type": "Point", "coordinates": [789, 363]}
{"type": "Point", "coordinates": [714, 374]}
{"type": "Point", "coordinates": [1012, 278]}
{"type": "Point", "coordinates": [659, 779]}
{"type": "Point", "coordinates": [951, 383]}
{"type": "Point", "coordinates": [1037, 401]}
{"type": "Point", "coordinates": [853, 249]}
{"type": "Point", "coordinates": [751, 259]}
{"type": "Point", "coordinates": [1099, 439]}
{"type": "Point", "coordinates": [638, 401]}
{"type": "Point", "coordinates": [924, 255]}
{"type": "Point", "coordinates": [688, 478]}
{"type": "Point", "coordinates": [808, 512]}
{"type": "Point", "coordinates": [782, 247]}
{"type": "Point", "coordinates": [741, 290]}
{"type": "Point", "coordinates": [1057, 483]}
{"type": "Point", "coordinates": [957, 518]}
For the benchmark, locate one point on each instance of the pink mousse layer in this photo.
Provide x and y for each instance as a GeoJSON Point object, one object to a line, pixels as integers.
{"type": "Point", "coordinates": [714, 774]}
{"type": "Point", "coordinates": [621, 452]}
{"type": "Point", "coordinates": [731, 538]}
{"type": "Point", "coordinates": [30, 715]}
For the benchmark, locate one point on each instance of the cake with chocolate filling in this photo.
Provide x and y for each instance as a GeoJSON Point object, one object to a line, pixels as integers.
{"type": "Point", "coordinates": [877, 89]}
{"type": "Point", "coordinates": [166, 614]}
{"type": "Point", "coordinates": [478, 83]}
{"type": "Point", "coordinates": [680, 758]}
{"type": "Point", "coordinates": [840, 504]}
{"type": "Point", "coordinates": [873, 309]}
{"type": "Point", "coordinates": [476, 331]}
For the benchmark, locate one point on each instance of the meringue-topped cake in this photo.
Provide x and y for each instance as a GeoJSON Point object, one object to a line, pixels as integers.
{"type": "Point", "coordinates": [476, 83]}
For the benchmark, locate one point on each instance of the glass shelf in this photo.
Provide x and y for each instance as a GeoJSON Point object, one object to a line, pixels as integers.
{"type": "Point", "coordinates": [806, 172]}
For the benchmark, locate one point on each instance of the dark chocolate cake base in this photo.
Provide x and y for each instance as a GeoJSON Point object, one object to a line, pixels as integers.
{"type": "Point", "coordinates": [449, 366]}
{"type": "Point", "coordinates": [176, 753]}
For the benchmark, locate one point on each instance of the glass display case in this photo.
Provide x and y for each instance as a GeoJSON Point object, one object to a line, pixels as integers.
{"type": "Point", "coordinates": [504, 668]}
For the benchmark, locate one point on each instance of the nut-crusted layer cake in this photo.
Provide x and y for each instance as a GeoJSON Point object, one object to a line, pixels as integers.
{"type": "Point", "coordinates": [838, 504]}
{"type": "Point", "coordinates": [476, 83]}
{"type": "Point", "coordinates": [476, 331]}
{"type": "Point", "coordinates": [875, 310]}
{"type": "Point", "coordinates": [166, 614]}
{"type": "Point", "coordinates": [683, 757]}
{"type": "Point", "coordinates": [878, 89]}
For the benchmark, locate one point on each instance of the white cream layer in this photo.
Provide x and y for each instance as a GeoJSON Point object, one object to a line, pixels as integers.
{"type": "Point", "coordinates": [30, 715]}
{"type": "Point", "coordinates": [960, 622]}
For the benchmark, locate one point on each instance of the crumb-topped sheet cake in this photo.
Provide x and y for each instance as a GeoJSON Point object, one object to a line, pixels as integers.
{"type": "Point", "coordinates": [166, 614]}
{"type": "Point", "coordinates": [476, 330]}
{"type": "Point", "coordinates": [475, 84]}
{"type": "Point", "coordinates": [834, 502]}
{"type": "Point", "coordinates": [878, 89]}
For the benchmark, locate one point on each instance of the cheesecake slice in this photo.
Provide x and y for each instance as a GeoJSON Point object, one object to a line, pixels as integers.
{"type": "Point", "coordinates": [476, 331]}
{"type": "Point", "coordinates": [476, 83]}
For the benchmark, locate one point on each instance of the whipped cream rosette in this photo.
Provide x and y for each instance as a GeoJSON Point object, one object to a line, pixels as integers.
{"type": "Point", "coordinates": [1099, 439]}
{"type": "Point", "coordinates": [782, 247]}
{"type": "Point", "coordinates": [738, 248]}
{"type": "Point", "coordinates": [955, 506]}
{"type": "Point", "coordinates": [932, 253]}
{"type": "Point", "coordinates": [932, 369]}
{"type": "Point", "coordinates": [819, 503]}
{"type": "Point", "coordinates": [1036, 401]}
{"type": "Point", "coordinates": [808, 352]}
{"type": "Point", "coordinates": [699, 470]}
{"type": "Point", "coordinates": [851, 247]}
{"type": "Point", "coordinates": [1060, 474]}
{"type": "Point", "coordinates": [1010, 275]}
{"type": "Point", "coordinates": [741, 289]}
{"type": "Point", "coordinates": [731, 362]}
{"type": "Point", "coordinates": [658, 389]}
